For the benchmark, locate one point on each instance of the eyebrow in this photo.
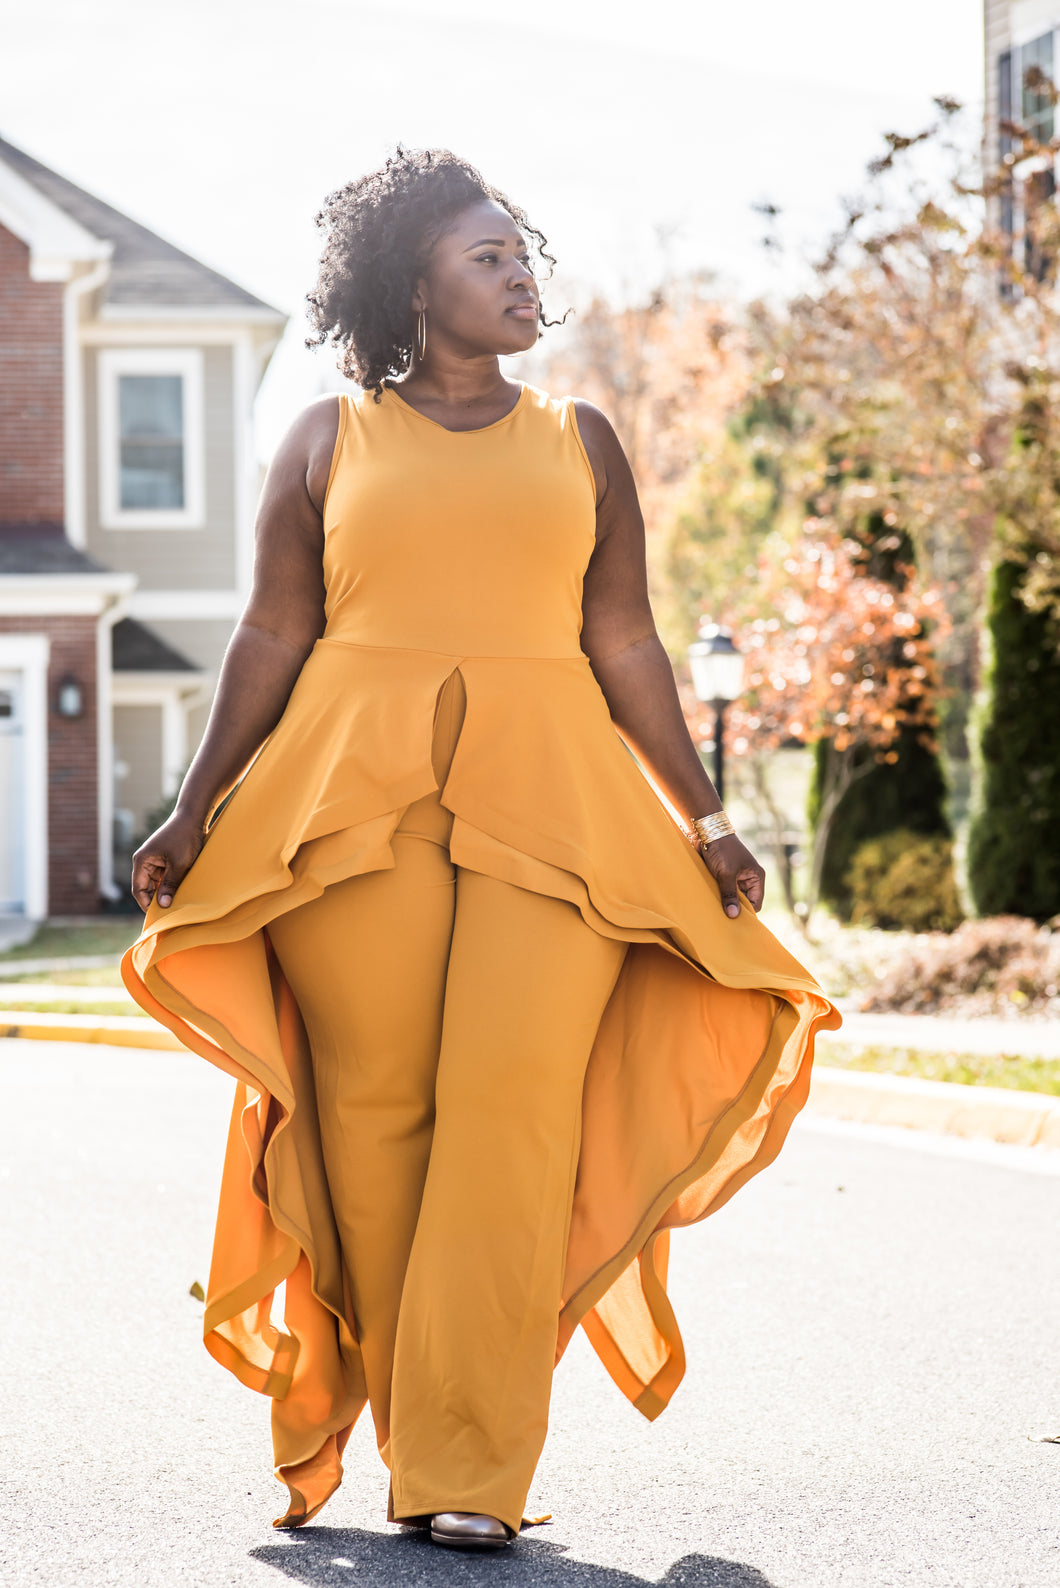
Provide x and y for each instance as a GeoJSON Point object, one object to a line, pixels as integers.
{"type": "Point", "coordinates": [495, 242]}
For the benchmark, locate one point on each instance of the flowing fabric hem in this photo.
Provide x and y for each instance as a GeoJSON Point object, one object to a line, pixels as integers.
{"type": "Point", "coordinates": [641, 1258]}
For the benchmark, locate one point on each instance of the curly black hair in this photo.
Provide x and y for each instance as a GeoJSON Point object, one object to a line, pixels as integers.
{"type": "Point", "coordinates": [380, 230]}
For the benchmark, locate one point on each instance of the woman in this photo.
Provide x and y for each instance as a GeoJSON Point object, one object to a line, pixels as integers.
{"type": "Point", "coordinates": [497, 1024]}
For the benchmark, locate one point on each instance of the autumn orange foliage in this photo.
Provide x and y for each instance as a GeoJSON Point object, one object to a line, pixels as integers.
{"type": "Point", "coordinates": [831, 654]}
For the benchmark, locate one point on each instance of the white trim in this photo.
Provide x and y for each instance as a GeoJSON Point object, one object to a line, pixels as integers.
{"type": "Point", "coordinates": [55, 241]}
{"type": "Point", "coordinates": [245, 383]}
{"type": "Point", "coordinates": [181, 313]}
{"type": "Point", "coordinates": [74, 501]}
{"type": "Point", "coordinates": [132, 687]}
{"type": "Point", "coordinates": [28, 653]}
{"type": "Point", "coordinates": [61, 595]}
{"type": "Point", "coordinates": [174, 744]}
{"type": "Point", "coordinates": [1032, 20]}
{"type": "Point", "coordinates": [164, 333]}
{"type": "Point", "coordinates": [105, 743]}
{"type": "Point", "coordinates": [175, 694]}
{"type": "Point", "coordinates": [187, 363]}
{"type": "Point", "coordinates": [151, 606]}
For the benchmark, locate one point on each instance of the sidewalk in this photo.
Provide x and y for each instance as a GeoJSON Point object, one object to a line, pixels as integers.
{"type": "Point", "coordinates": [1027, 1039]}
{"type": "Point", "coordinates": [1028, 1119]}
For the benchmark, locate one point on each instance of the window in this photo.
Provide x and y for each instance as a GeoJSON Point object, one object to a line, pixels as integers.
{"type": "Point", "coordinates": [1025, 101]}
{"type": "Point", "coordinates": [1006, 142]}
{"type": "Point", "coordinates": [151, 439]}
{"type": "Point", "coordinates": [1025, 93]}
{"type": "Point", "coordinates": [1036, 80]}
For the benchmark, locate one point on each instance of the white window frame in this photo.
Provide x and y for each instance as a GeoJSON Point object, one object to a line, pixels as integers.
{"type": "Point", "coordinates": [188, 364]}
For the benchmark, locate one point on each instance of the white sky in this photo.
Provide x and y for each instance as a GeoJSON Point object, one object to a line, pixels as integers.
{"type": "Point", "coordinates": [221, 124]}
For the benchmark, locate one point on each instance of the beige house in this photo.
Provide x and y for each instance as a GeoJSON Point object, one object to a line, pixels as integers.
{"type": "Point", "coordinates": [1022, 61]}
{"type": "Point", "coordinates": [128, 481]}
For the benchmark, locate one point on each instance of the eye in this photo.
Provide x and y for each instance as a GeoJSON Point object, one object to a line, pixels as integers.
{"type": "Point", "coordinates": [485, 259]}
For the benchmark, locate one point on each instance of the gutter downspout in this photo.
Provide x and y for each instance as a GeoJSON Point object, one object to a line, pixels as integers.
{"type": "Point", "coordinates": [74, 506]}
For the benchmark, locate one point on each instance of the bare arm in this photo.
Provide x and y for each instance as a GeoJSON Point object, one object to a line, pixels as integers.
{"type": "Point", "coordinates": [283, 619]}
{"type": "Point", "coordinates": [631, 666]}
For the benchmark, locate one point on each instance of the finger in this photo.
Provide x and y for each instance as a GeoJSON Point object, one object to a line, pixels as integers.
{"type": "Point", "coordinates": [167, 888]}
{"type": "Point", "coordinates": [753, 884]}
{"type": "Point", "coordinates": [730, 899]}
{"type": "Point", "coordinates": [145, 875]}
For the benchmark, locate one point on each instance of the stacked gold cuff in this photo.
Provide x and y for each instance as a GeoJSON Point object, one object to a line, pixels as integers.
{"type": "Point", "coordinates": [707, 828]}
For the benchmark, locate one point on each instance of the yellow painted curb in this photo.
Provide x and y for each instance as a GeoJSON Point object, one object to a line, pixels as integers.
{"type": "Point", "coordinates": [1024, 1119]}
{"type": "Point", "coordinates": [122, 1031]}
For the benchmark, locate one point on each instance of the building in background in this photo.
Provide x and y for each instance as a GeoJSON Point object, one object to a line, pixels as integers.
{"type": "Point", "coordinates": [1022, 56]}
{"type": "Point", "coordinates": [128, 481]}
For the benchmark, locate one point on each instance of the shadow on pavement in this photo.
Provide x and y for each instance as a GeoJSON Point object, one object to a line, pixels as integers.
{"type": "Point", "coordinates": [341, 1556]}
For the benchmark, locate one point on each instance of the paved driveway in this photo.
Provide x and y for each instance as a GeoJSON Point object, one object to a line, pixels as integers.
{"type": "Point", "coordinates": [871, 1331]}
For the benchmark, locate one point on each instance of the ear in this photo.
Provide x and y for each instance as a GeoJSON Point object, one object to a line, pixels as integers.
{"type": "Point", "coordinates": [419, 297]}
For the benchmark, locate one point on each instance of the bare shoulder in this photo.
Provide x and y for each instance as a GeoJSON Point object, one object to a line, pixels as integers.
{"type": "Point", "coordinates": [595, 427]}
{"type": "Point", "coordinates": [304, 455]}
{"type": "Point", "coordinates": [606, 454]}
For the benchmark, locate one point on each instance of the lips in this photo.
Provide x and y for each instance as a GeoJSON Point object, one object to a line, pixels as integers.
{"type": "Point", "coordinates": [527, 310]}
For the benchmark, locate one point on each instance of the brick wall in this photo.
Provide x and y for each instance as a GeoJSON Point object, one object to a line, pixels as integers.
{"type": "Point", "coordinates": [31, 390]}
{"type": "Point", "coordinates": [73, 860]}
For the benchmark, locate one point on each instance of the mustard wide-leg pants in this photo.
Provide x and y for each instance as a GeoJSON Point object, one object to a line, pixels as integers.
{"type": "Point", "coordinates": [450, 1018]}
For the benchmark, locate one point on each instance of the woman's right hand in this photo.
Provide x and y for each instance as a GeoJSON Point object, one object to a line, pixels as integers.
{"type": "Point", "coordinates": [161, 864]}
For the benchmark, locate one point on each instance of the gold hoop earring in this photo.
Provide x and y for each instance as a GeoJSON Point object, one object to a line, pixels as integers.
{"type": "Point", "coordinates": [421, 334]}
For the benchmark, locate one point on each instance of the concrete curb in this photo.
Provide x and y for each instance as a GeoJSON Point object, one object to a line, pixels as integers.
{"type": "Point", "coordinates": [984, 1113]}
{"type": "Point", "coordinates": [123, 1031]}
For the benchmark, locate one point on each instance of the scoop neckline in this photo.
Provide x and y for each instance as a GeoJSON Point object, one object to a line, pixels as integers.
{"type": "Point", "coordinates": [479, 430]}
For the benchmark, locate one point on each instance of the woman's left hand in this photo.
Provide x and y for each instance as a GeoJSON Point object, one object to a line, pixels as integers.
{"type": "Point", "coordinates": [733, 868]}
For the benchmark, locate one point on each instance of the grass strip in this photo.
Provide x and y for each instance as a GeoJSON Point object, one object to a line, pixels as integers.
{"type": "Point", "coordinates": [68, 1008]}
{"type": "Point", "coordinates": [98, 976]}
{"type": "Point", "coordinates": [107, 936]}
{"type": "Point", "coordinates": [1012, 1072]}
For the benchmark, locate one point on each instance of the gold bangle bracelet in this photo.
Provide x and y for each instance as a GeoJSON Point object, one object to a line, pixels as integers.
{"type": "Point", "coordinates": [708, 828]}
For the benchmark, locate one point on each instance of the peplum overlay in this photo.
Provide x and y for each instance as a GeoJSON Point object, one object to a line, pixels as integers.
{"type": "Point", "coordinates": [702, 1058]}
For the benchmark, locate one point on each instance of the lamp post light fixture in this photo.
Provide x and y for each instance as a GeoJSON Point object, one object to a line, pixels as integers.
{"type": "Point", "coordinates": [717, 678]}
{"type": "Point", "coordinates": [70, 698]}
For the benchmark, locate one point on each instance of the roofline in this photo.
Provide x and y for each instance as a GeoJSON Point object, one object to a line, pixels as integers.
{"type": "Point", "coordinates": [82, 241]}
{"type": "Point", "coordinates": [62, 594]}
{"type": "Point", "coordinates": [57, 243]}
{"type": "Point", "coordinates": [170, 678]}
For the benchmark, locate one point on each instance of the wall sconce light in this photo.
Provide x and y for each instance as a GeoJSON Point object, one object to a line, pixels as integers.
{"type": "Point", "coordinates": [70, 698]}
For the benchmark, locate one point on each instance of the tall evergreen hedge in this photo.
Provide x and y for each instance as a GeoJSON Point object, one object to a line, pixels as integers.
{"type": "Point", "coordinates": [1014, 843]}
{"type": "Point", "coordinates": [908, 794]}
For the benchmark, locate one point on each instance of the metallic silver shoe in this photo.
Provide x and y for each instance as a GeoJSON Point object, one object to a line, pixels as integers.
{"type": "Point", "coordinates": [469, 1530]}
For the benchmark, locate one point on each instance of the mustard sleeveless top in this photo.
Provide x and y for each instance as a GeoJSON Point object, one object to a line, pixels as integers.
{"type": "Point", "coordinates": [466, 551]}
{"type": "Point", "coordinates": [458, 542]}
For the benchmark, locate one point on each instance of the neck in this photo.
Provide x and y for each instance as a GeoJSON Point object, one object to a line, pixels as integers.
{"type": "Point", "coordinates": [457, 382]}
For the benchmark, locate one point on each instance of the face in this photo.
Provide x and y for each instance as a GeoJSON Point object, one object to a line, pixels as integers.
{"type": "Point", "coordinates": [478, 289]}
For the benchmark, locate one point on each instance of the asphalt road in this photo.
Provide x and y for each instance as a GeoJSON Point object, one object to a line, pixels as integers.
{"type": "Point", "coordinates": [872, 1340]}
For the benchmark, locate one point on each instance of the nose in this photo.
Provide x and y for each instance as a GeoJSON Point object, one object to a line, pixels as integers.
{"type": "Point", "coordinates": [520, 277]}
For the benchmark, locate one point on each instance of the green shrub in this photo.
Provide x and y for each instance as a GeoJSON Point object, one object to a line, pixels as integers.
{"type": "Point", "coordinates": [905, 881]}
{"type": "Point", "coordinates": [1013, 852]}
{"type": "Point", "coordinates": [909, 794]}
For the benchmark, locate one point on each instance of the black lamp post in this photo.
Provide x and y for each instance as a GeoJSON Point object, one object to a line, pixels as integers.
{"type": "Point", "coordinates": [717, 678]}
